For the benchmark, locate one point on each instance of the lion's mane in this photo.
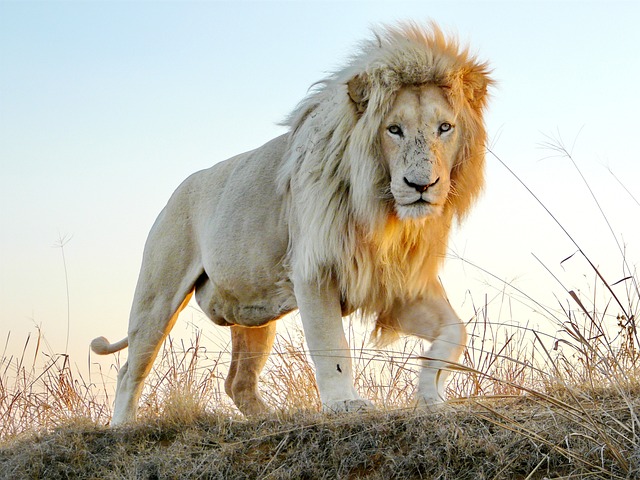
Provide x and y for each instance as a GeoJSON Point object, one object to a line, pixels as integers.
{"type": "Point", "coordinates": [342, 218]}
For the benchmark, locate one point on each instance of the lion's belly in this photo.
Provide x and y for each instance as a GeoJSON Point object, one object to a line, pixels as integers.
{"type": "Point", "coordinates": [245, 281]}
{"type": "Point", "coordinates": [251, 306]}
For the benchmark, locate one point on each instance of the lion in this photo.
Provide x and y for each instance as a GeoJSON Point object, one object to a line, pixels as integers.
{"type": "Point", "coordinates": [349, 211]}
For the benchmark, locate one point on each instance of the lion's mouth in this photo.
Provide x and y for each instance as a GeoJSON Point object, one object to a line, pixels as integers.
{"type": "Point", "coordinates": [420, 201]}
{"type": "Point", "coordinates": [420, 208]}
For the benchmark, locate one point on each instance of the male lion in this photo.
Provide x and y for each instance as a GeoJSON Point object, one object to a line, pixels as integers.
{"type": "Point", "coordinates": [350, 210]}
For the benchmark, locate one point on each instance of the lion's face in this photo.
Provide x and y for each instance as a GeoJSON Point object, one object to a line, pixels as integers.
{"type": "Point", "coordinates": [419, 143]}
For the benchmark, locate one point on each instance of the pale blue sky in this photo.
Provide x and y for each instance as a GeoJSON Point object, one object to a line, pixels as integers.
{"type": "Point", "coordinates": [106, 106]}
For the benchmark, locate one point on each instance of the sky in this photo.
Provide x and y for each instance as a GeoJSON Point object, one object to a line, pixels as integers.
{"type": "Point", "coordinates": [105, 107]}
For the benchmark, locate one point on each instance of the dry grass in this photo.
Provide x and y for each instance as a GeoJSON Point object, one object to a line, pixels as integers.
{"type": "Point", "coordinates": [525, 405]}
{"type": "Point", "coordinates": [511, 419]}
{"type": "Point", "coordinates": [516, 438]}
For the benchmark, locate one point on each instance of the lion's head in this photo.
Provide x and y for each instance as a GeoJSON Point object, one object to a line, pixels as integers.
{"type": "Point", "coordinates": [419, 143]}
{"type": "Point", "coordinates": [382, 157]}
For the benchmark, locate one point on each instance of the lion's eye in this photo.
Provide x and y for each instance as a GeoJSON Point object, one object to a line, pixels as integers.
{"type": "Point", "coordinates": [395, 130]}
{"type": "Point", "coordinates": [444, 128]}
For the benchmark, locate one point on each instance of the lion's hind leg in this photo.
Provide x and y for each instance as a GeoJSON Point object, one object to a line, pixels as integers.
{"type": "Point", "coordinates": [144, 344]}
{"type": "Point", "coordinates": [250, 348]}
{"type": "Point", "coordinates": [171, 266]}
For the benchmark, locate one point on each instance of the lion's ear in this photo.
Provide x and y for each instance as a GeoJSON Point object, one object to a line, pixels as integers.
{"type": "Point", "coordinates": [475, 82]}
{"type": "Point", "coordinates": [358, 88]}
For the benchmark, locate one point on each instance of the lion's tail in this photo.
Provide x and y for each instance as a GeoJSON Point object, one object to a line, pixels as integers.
{"type": "Point", "coordinates": [101, 345]}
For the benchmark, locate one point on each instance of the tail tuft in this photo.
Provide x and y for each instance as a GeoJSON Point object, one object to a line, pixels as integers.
{"type": "Point", "coordinates": [101, 345]}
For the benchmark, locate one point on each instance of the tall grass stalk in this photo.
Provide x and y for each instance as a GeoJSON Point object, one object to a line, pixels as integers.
{"type": "Point", "coordinates": [62, 242]}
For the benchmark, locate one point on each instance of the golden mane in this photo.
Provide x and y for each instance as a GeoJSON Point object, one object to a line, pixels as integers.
{"type": "Point", "coordinates": [341, 218]}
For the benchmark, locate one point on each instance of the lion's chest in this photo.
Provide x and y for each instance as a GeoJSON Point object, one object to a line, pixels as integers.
{"type": "Point", "coordinates": [396, 263]}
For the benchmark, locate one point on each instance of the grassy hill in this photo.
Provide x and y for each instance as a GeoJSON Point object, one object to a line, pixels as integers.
{"type": "Point", "coordinates": [582, 422]}
{"type": "Point", "coordinates": [581, 435]}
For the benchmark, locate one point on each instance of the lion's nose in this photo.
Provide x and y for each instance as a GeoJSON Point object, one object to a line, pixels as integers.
{"type": "Point", "coordinates": [421, 188]}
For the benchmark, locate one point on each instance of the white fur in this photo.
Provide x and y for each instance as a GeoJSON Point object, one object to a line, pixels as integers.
{"type": "Point", "coordinates": [335, 216]}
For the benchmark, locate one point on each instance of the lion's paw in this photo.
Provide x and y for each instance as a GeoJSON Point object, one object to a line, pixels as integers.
{"type": "Point", "coordinates": [341, 406]}
{"type": "Point", "coordinates": [429, 402]}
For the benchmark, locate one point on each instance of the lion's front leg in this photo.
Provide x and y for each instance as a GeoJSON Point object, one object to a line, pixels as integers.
{"type": "Point", "coordinates": [321, 315]}
{"type": "Point", "coordinates": [433, 319]}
